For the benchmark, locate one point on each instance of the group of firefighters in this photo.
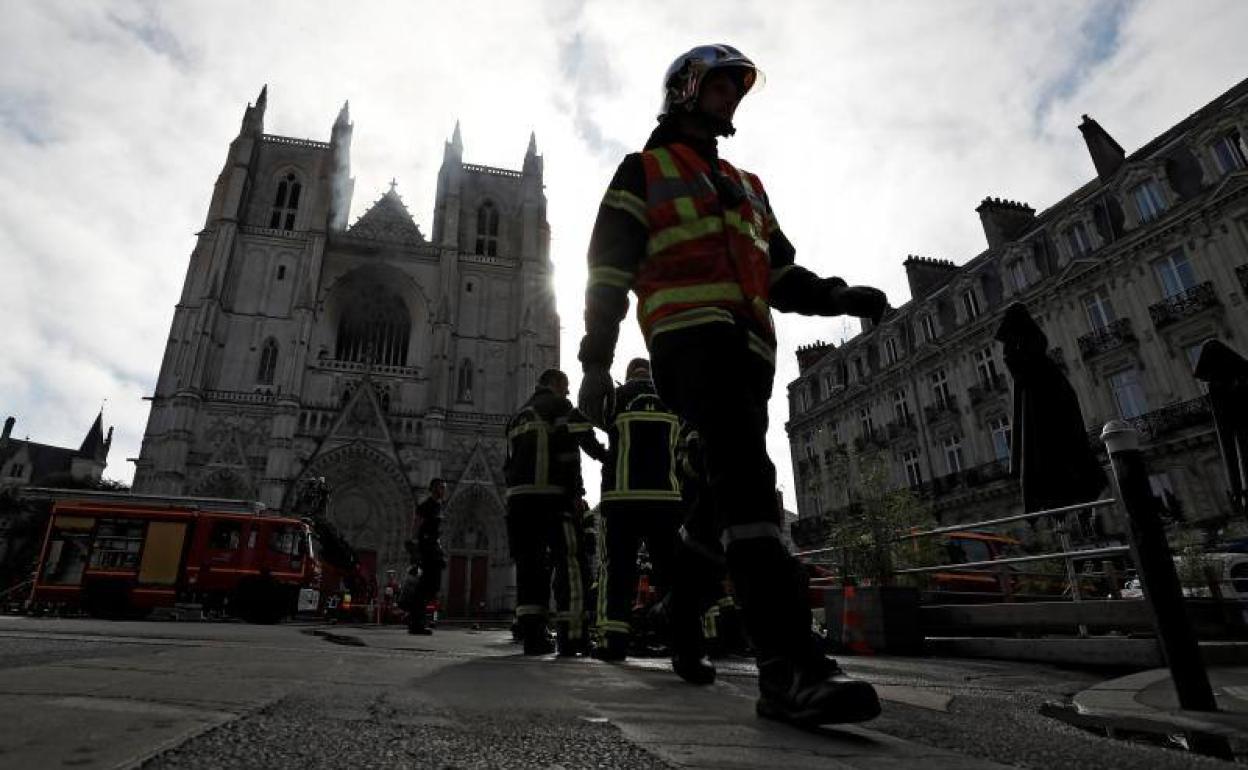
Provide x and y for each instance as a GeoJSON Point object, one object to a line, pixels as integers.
{"type": "Point", "coordinates": [686, 470]}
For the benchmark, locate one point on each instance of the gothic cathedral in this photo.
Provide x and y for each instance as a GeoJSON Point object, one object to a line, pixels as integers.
{"type": "Point", "coordinates": [366, 354]}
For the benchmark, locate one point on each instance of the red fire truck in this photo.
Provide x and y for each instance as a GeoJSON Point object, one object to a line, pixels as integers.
{"type": "Point", "coordinates": [122, 555]}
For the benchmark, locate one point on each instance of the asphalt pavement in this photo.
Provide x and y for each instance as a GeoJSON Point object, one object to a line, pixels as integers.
{"type": "Point", "coordinates": [85, 693]}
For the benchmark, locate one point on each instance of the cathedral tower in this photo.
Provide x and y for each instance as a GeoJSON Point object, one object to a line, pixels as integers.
{"type": "Point", "coordinates": [366, 354]}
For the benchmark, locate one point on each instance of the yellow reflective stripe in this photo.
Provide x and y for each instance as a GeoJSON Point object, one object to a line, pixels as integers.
{"type": "Point", "coordinates": [530, 609]}
{"type": "Point", "coordinates": [685, 209]}
{"type": "Point", "coordinates": [762, 348]}
{"type": "Point", "coordinates": [575, 613]}
{"type": "Point", "coordinates": [648, 494]}
{"type": "Point", "coordinates": [528, 427]}
{"type": "Point", "coordinates": [745, 227]}
{"type": "Point", "coordinates": [541, 476]}
{"type": "Point", "coordinates": [521, 490]}
{"type": "Point", "coordinates": [626, 202]}
{"type": "Point", "coordinates": [612, 626]}
{"type": "Point", "coordinates": [670, 236]}
{"type": "Point", "coordinates": [604, 577]}
{"type": "Point", "coordinates": [621, 460]}
{"type": "Point", "coordinates": [611, 276]}
{"type": "Point", "coordinates": [579, 427]}
{"type": "Point", "coordinates": [692, 317]}
{"type": "Point", "coordinates": [704, 292]}
{"type": "Point", "coordinates": [777, 273]}
{"type": "Point", "coordinates": [667, 166]}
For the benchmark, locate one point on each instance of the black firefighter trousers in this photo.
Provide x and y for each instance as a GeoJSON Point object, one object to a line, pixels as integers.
{"type": "Point", "coordinates": [544, 538]}
{"type": "Point", "coordinates": [709, 376]}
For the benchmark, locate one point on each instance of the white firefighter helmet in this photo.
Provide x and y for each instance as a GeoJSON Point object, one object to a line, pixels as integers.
{"type": "Point", "coordinates": [685, 75]}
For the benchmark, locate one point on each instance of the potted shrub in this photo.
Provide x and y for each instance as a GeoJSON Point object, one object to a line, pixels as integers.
{"type": "Point", "coordinates": [877, 610]}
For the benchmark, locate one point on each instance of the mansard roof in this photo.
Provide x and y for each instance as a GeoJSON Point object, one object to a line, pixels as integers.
{"type": "Point", "coordinates": [388, 220]}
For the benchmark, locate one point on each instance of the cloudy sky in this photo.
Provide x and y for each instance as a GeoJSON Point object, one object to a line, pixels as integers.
{"type": "Point", "coordinates": [881, 127]}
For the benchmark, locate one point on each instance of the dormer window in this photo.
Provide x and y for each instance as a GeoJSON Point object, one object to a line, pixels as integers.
{"type": "Point", "coordinates": [1078, 240]}
{"type": "Point", "coordinates": [929, 328]}
{"type": "Point", "coordinates": [892, 353]}
{"type": "Point", "coordinates": [1018, 274]}
{"type": "Point", "coordinates": [1230, 152]}
{"type": "Point", "coordinates": [285, 204]}
{"type": "Point", "coordinates": [487, 230]}
{"type": "Point", "coordinates": [1148, 200]}
{"type": "Point", "coordinates": [970, 304]}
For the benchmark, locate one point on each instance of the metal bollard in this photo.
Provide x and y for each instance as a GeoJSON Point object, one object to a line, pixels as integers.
{"type": "Point", "coordinates": [1162, 590]}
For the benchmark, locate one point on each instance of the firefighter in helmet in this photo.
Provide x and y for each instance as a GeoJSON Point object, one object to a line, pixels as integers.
{"type": "Point", "coordinates": [543, 475]}
{"type": "Point", "coordinates": [696, 240]}
{"type": "Point", "coordinates": [641, 503]}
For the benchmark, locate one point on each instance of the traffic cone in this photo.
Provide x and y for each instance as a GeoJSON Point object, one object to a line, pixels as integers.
{"type": "Point", "coordinates": [853, 637]}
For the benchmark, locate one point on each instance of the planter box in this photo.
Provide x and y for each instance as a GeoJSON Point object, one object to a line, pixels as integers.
{"type": "Point", "coordinates": [876, 619]}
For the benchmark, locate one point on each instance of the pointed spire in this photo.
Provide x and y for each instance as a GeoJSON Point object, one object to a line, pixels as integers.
{"type": "Point", "coordinates": [253, 116]}
{"type": "Point", "coordinates": [456, 140]}
{"type": "Point", "coordinates": [532, 161]}
{"type": "Point", "coordinates": [94, 441]}
{"type": "Point", "coordinates": [344, 115]}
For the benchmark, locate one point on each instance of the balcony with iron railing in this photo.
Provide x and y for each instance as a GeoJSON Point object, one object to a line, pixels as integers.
{"type": "Point", "coordinates": [945, 409]}
{"type": "Point", "coordinates": [870, 442]}
{"type": "Point", "coordinates": [1113, 336]}
{"type": "Point", "coordinates": [902, 427]}
{"type": "Point", "coordinates": [987, 389]}
{"type": "Point", "coordinates": [1186, 303]}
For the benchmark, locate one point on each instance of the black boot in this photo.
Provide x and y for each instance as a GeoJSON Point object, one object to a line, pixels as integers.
{"type": "Point", "coordinates": [613, 649]}
{"type": "Point", "coordinates": [814, 692]}
{"type": "Point", "coordinates": [536, 637]}
{"type": "Point", "coordinates": [693, 668]}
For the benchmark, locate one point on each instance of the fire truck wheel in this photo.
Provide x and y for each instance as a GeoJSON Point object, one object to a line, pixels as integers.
{"type": "Point", "coordinates": [261, 601]}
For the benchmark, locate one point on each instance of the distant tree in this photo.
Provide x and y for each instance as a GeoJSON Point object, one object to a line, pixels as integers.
{"type": "Point", "coordinates": [867, 537]}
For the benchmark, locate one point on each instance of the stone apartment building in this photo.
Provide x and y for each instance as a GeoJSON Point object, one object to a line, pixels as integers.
{"type": "Point", "coordinates": [367, 354]}
{"type": "Point", "coordinates": [1128, 276]}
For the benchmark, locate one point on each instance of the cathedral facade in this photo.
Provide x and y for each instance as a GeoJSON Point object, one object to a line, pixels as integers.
{"type": "Point", "coordinates": [367, 354]}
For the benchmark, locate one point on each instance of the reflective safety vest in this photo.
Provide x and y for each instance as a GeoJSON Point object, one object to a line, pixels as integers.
{"type": "Point", "coordinates": [704, 262]}
{"type": "Point", "coordinates": [527, 468]}
{"type": "Point", "coordinates": [642, 463]}
{"type": "Point", "coordinates": [543, 456]}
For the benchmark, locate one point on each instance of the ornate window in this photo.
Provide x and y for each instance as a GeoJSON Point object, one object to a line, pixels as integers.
{"type": "Point", "coordinates": [999, 429]}
{"type": "Point", "coordinates": [1078, 240]}
{"type": "Point", "coordinates": [901, 406]}
{"type": "Point", "coordinates": [1230, 152]}
{"type": "Point", "coordinates": [464, 388]}
{"type": "Point", "coordinates": [1128, 393]}
{"type": "Point", "coordinates": [375, 327]}
{"type": "Point", "coordinates": [953, 453]}
{"type": "Point", "coordinates": [1148, 200]}
{"type": "Point", "coordinates": [285, 203]}
{"type": "Point", "coordinates": [1174, 273]}
{"type": "Point", "coordinates": [1100, 312]}
{"type": "Point", "coordinates": [914, 471]}
{"type": "Point", "coordinates": [940, 387]}
{"type": "Point", "coordinates": [970, 304]}
{"type": "Point", "coordinates": [986, 367]}
{"type": "Point", "coordinates": [487, 230]}
{"type": "Point", "coordinates": [268, 362]}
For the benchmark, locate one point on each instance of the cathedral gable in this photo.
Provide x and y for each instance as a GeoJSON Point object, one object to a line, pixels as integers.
{"type": "Point", "coordinates": [388, 220]}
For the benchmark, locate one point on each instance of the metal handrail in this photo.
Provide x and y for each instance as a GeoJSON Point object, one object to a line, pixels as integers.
{"type": "Point", "coordinates": [1089, 553]}
{"type": "Point", "coordinates": [974, 525]}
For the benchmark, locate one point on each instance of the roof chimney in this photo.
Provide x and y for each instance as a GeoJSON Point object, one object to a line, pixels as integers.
{"type": "Point", "coordinates": [1107, 155]}
{"type": "Point", "coordinates": [8, 428]}
{"type": "Point", "coordinates": [808, 355]}
{"type": "Point", "coordinates": [925, 275]}
{"type": "Point", "coordinates": [1004, 220]}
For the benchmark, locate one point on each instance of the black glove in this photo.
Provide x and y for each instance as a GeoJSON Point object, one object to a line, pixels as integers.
{"type": "Point", "coordinates": [861, 301]}
{"type": "Point", "coordinates": [596, 386]}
